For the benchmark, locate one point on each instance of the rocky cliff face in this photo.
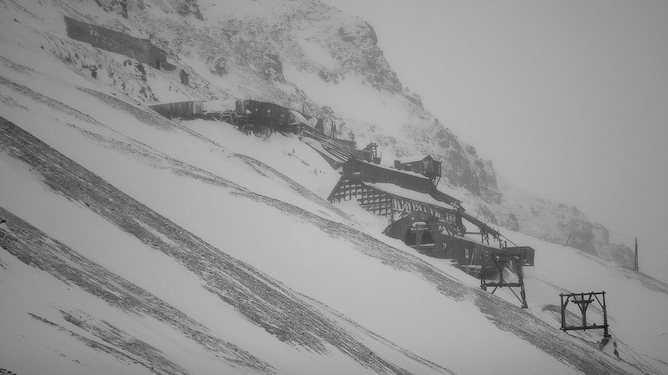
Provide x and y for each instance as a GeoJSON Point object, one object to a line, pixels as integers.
{"type": "Point", "coordinates": [554, 222]}
{"type": "Point", "coordinates": [251, 44]}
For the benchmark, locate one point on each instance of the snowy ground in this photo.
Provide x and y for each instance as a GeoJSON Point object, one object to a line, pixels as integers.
{"type": "Point", "coordinates": [134, 244]}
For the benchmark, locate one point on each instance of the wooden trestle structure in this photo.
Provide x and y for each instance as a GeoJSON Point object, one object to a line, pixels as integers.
{"type": "Point", "coordinates": [434, 227]}
{"type": "Point", "coordinates": [501, 261]}
{"type": "Point", "coordinates": [382, 203]}
{"type": "Point", "coordinates": [583, 300]}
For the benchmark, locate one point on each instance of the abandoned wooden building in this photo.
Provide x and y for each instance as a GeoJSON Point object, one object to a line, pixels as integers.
{"type": "Point", "coordinates": [429, 220]}
{"type": "Point", "coordinates": [425, 165]}
{"type": "Point", "coordinates": [433, 222]}
{"type": "Point", "coordinates": [222, 110]}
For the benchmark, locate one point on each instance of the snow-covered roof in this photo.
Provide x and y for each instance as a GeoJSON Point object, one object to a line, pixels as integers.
{"type": "Point", "coordinates": [409, 194]}
{"type": "Point", "coordinates": [299, 117]}
{"type": "Point", "coordinates": [412, 159]}
{"type": "Point", "coordinates": [394, 169]}
{"type": "Point", "coordinates": [219, 106]}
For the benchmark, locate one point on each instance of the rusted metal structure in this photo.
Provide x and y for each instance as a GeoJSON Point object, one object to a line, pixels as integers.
{"type": "Point", "coordinates": [583, 301]}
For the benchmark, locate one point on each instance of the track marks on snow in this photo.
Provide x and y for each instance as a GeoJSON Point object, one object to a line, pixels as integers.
{"type": "Point", "coordinates": [262, 300]}
{"type": "Point", "coordinates": [35, 248]}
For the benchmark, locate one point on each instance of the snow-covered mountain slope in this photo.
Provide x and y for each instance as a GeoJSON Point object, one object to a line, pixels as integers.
{"type": "Point", "coordinates": [301, 54]}
{"type": "Point", "coordinates": [245, 276]}
{"type": "Point", "coordinates": [135, 244]}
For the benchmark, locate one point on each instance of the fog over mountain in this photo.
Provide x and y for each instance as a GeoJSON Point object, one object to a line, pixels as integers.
{"type": "Point", "coordinates": [569, 99]}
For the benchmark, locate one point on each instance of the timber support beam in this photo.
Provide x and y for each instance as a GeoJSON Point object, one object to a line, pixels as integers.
{"type": "Point", "coordinates": [500, 261]}
{"type": "Point", "coordinates": [583, 300]}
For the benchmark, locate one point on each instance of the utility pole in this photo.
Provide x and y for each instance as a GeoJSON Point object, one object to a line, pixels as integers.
{"type": "Point", "coordinates": [635, 265]}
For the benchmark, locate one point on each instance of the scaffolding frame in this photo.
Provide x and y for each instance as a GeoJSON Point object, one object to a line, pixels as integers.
{"type": "Point", "coordinates": [583, 300]}
{"type": "Point", "coordinates": [499, 261]}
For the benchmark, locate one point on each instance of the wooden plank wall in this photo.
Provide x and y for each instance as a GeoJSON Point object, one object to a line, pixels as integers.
{"type": "Point", "coordinates": [179, 109]}
{"type": "Point", "coordinates": [139, 49]}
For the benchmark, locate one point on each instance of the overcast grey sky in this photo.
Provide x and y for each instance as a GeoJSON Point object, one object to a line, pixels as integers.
{"type": "Point", "coordinates": [569, 99]}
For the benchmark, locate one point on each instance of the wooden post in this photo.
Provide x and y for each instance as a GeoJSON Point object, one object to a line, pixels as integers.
{"type": "Point", "coordinates": [583, 300]}
{"type": "Point", "coordinates": [635, 265]}
{"type": "Point", "coordinates": [606, 334]}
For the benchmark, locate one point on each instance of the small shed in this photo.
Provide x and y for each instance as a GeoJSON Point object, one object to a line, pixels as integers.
{"type": "Point", "coordinates": [267, 114]}
{"type": "Point", "coordinates": [359, 170]}
{"type": "Point", "coordinates": [426, 166]}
